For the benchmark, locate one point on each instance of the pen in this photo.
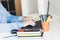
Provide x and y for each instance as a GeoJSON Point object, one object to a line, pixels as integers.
{"type": "Point", "coordinates": [48, 19]}
{"type": "Point", "coordinates": [42, 18]}
{"type": "Point", "coordinates": [10, 36]}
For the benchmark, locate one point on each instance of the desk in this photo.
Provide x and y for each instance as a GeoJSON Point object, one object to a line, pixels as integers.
{"type": "Point", "coordinates": [18, 38]}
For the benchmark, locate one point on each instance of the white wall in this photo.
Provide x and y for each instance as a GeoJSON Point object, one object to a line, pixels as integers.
{"type": "Point", "coordinates": [29, 6]}
{"type": "Point", "coordinates": [24, 7]}
{"type": "Point", "coordinates": [55, 6]}
{"type": "Point", "coordinates": [42, 6]}
{"type": "Point", "coordinates": [34, 6]}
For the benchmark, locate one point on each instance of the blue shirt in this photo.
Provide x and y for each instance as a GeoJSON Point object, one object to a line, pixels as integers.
{"type": "Point", "coordinates": [15, 22]}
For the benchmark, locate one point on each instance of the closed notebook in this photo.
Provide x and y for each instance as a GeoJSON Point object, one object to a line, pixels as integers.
{"type": "Point", "coordinates": [31, 30]}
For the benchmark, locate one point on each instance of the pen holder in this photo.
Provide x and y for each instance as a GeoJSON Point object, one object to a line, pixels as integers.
{"type": "Point", "coordinates": [45, 26]}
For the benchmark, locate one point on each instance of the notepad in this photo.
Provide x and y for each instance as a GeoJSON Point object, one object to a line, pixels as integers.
{"type": "Point", "coordinates": [24, 34]}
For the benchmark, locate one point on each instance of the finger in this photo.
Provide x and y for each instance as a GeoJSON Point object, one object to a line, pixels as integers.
{"type": "Point", "coordinates": [30, 23]}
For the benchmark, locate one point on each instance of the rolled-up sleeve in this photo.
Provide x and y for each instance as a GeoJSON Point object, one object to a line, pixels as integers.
{"type": "Point", "coordinates": [16, 25]}
{"type": "Point", "coordinates": [15, 22]}
{"type": "Point", "coordinates": [12, 18]}
{"type": "Point", "coordinates": [7, 27]}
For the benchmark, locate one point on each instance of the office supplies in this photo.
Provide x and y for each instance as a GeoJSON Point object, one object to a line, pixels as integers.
{"type": "Point", "coordinates": [45, 26]}
{"type": "Point", "coordinates": [10, 36]}
{"type": "Point", "coordinates": [30, 31]}
{"type": "Point", "coordinates": [30, 34]}
{"type": "Point", "coordinates": [42, 18]}
{"type": "Point", "coordinates": [48, 19]}
{"type": "Point", "coordinates": [14, 31]}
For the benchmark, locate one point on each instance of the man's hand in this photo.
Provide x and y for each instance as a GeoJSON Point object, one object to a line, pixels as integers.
{"type": "Point", "coordinates": [28, 18]}
{"type": "Point", "coordinates": [29, 22]}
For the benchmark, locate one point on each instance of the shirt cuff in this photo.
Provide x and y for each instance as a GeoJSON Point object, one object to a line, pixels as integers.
{"type": "Point", "coordinates": [17, 25]}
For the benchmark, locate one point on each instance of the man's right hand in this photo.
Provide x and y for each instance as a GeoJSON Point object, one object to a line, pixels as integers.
{"type": "Point", "coordinates": [29, 22]}
{"type": "Point", "coordinates": [28, 18]}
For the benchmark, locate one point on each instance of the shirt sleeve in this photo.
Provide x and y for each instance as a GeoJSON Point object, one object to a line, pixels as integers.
{"type": "Point", "coordinates": [12, 18]}
{"type": "Point", "coordinates": [5, 17]}
{"type": "Point", "coordinates": [15, 22]}
{"type": "Point", "coordinates": [7, 27]}
{"type": "Point", "coordinates": [16, 25]}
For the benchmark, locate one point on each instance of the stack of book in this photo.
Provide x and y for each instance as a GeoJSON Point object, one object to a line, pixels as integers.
{"type": "Point", "coordinates": [31, 31]}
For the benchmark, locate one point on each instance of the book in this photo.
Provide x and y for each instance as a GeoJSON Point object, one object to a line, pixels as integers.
{"type": "Point", "coordinates": [30, 34]}
{"type": "Point", "coordinates": [31, 31]}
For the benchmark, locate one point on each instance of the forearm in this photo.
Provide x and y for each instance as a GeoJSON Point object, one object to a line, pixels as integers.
{"type": "Point", "coordinates": [16, 25]}
{"type": "Point", "coordinates": [7, 27]}
{"type": "Point", "coordinates": [12, 18]}
{"type": "Point", "coordinates": [17, 19]}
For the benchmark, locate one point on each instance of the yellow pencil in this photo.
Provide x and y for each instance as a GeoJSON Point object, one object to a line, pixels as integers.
{"type": "Point", "coordinates": [48, 19]}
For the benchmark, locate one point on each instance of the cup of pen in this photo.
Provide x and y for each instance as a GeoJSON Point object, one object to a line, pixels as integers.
{"type": "Point", "coordinates": [45, 23]}
{"type": "Point", "coordinates": [45, 26]}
